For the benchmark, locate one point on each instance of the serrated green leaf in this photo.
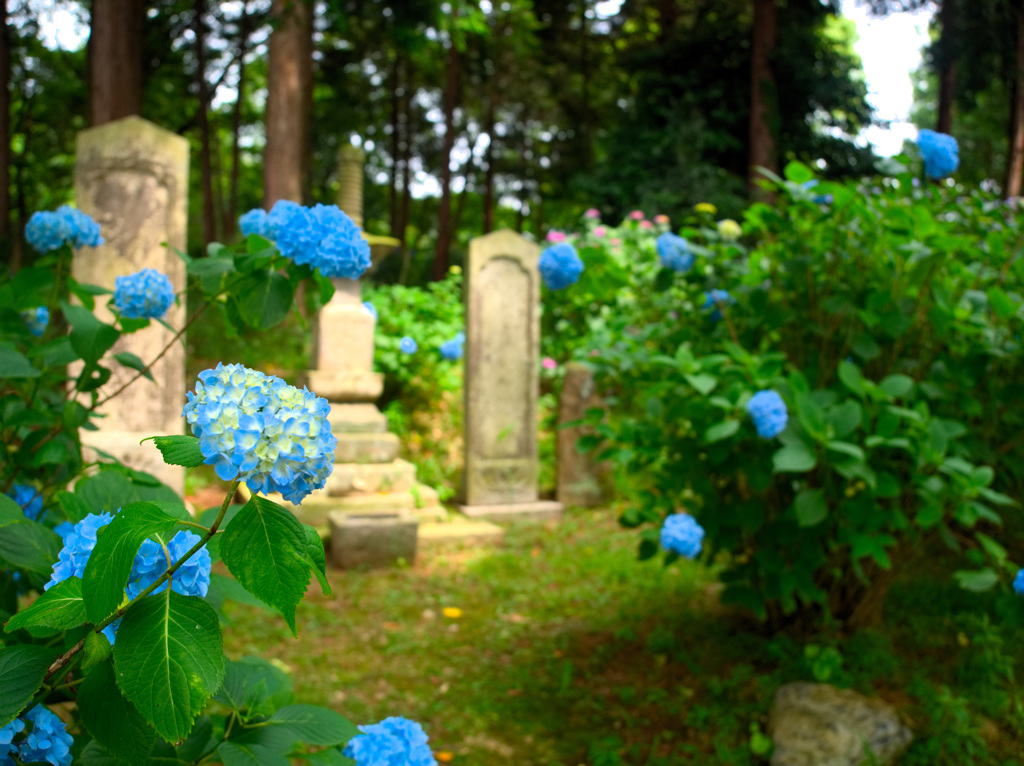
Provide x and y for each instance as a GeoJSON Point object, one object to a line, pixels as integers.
{"type": "Point", "coordinates": [846, 448]}
{"type": "Point", "coordinates": [14, 364]}
{"type": "Point", "coordinates": [96, 650]}
{"type": "Point", "coordinates": [793, 458]}
{"type": "Point", "coordinates": [110, 562]}
{"type": "Point", "coordinates": [62, 607]}
{"type": "Point", "coordinates": [314, 725]}
{"type": "Point", "coordinates": [263, 298]}
{"type": "Point", "coordinates": [169, 659]}
{"type": "Point", "coordinates": [90, 338]}
{"type": "Point", "coordinates": [897, 386]}
{"type": "Point", "coordinates": [722, 430]}
{"type": "Point", "coordinates": [317, 557]}
{"type": "Point", "coordinates": [978, 581]}
{"type": "Point", "coordinates": [22, 670]}
{"type": "Point", "coordinates": [704, 383]}
{"type": "Point", "coordinates": [264, 547]}
{"type": "Point", "coordinates": [1002, 304]}
{"type": "Point", "coordinates": [29, 545]}
{"type": "Point", "coordinates": [130, 360]}
{"type": "Point", "coordinates": [112, 720]}
{"type": "Point", "coordinates": [179, 450]}
{"type": "Point", "coordinates": [253, 686]}
{"type": "Point", "coordinates": [235, 753]}
{"type": "Point", "coordinates": [810, 507]}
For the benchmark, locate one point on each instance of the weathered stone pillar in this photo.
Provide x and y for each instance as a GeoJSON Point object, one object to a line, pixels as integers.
{"type": "Point", "coordinates": [582, 480]}
{"type": "Point", "coordinates": [502, 382]}
{"type": "Point", "coordinates": [131, 176]}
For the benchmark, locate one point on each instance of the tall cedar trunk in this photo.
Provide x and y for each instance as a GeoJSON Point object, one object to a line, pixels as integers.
{"type": "Point", "coordinates": [115, 60]}
{"type": "Point", "coordinates": [489, 163]}
{"type": "Point", "coordinates": [285, 151]}
{"type": "Point", "coordinates": [668, 19]}
{"type": "Point", "coordinates": [203, 120]}
{"type": "Point", "coordinates": [407, 145]}
{"type": "Point", "coordinates": [5, 133]}
{"type": "Point", "coordinates": [762, 93]}
{"type": "Point", "coordinates": [231, 217]}
{"type": "Point", "coordinates": [468, 171]}
{"type": "Point", "coordinates": [444, 233]}
{"type": "Point", "coordinates": [1015, 158]}
{"type": "Point", "coordinates": [396, 141]}
{"type": "Point", "coordinates": [947, 65]}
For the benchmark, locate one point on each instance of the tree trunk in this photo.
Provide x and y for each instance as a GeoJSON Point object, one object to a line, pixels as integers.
{"type": "Point", "coordinates": [203, 120]}
{"type": "Point", "coordinates": [231, 217]}
{"type": "Point", "coordinates": [489, 165]}
{"type": "Point", "coordinates": [444, 233]}
{"type": "Point", "coordinates": [115, 60]}
{"type": "Point", "coordinates": [285, 151]}
{"type": "Point", "coordinates": [946, 65]}
{"type": "Point", "coordinates": [762, 94]}
{"type": "Point", "coordinates": [5, 132]}
{"type": "Point", "coordinates": [467, 173]}
{"type": "Point", "coordinates": [406, 151]}
{"type": "Point", "coordinates": [1015, 157]}
{"type": "Point", "coordinates": [396, 142]}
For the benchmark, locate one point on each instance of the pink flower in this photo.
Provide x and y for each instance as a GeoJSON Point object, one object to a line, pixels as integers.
{"type": "Point", "coordinates": [556, 236]}
{"type": "Point", "coordinates": [646, 224]}
{"type": "Point", "coordinates": [615, 241]}
{"type": "Point", "coordinates": [593, 352]}
{"type": "Point", "coordinates": [592, 213]}
{"type": "Point", "coordinates": [661, 218]}
{"type": "Point", "coordinates": [637, 215]}
{"type": "Point", "coordinates": [600, 231]}
{"type": "Point", "coordinates": [548, 363]}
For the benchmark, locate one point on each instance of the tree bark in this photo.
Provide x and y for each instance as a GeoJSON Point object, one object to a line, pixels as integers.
{"type": "Point", "coordinates": [444, 234]}
{"type": "Point", "coordinates": [489, 164]}
{"type": "Point", "coordinates": [406, 150]}
{"type": "Point", "coordinates": [947, 66]}
{"type": "Point", "coordinates": [763, 151]}
{"type": "Point", "coordinates": [284, 156]}
{"type": "Point", "coordinates": [396, 141]}
{"type": "Point", "coordinates": [231, 217]}
{"type": "Point", "coordinates": [1015, 157]}
{"type": "Point", "coordinates": [5, 131]}
{"type": "Point", "coordinates": [203, 120]}
{"type": "Point", "coordinates": [115, 60]}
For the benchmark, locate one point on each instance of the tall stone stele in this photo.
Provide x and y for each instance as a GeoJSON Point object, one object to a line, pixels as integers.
{"type": "Point", "coordinates": [131, 176]}
{"type": "Point", "coordinates": [582, 480]}
{"type": "Point", "coordinates": [502, 381]}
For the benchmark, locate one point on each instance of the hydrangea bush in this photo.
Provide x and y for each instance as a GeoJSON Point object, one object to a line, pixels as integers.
{"type": "Point", "coordinates": [827, 403]}
{"type": "Point", "coordinates": [108, 597]}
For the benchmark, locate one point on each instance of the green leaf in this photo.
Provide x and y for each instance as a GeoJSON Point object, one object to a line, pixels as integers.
{"type": "Point", "coordinates": [90, 338]}
{"type": "Point", "coordinates": [29, 545]}
{"type": "Point", "coordinates": [128, 359]}
{"type": "Point", "coordinates": [846, 448]}
{"type": "Point", "coordinates": [253, 686]}
{"type": "Point", "coordinates": [61, 607]}
{"type": "Point", "coordinates": [169, 658]}
{"type": "Point", "coordinates": [1002, 304]}
{"type": "Point", "coordinates": [810, 507]}
{"type": "Point", "coordinates": [315, 725]}
{"type": "Point", "coordinates": [317, 558]}
{"type": "Point", "coordinates": [978, 581]}
{"type": "Point", "coordinates": [97, 649]}
{"type": "Point", "coordinates": [722, 430]}
{"type": "Point", "coordinates": [844, 418]}
{"type": "Point", "coordinates": [22, 669]}
{"type": "Point", "coordinates": [179, 450]}
{"type": "Point", "coordinates": [897, 386]}
{"type": "Point", "coordinates": [264, 547]}
{"type": "Point", "coordinates": [235, 753]}
{"type": "Point", "coordinates": [110, 562]}
{"type": "Point", "coordinates": [793, 458]}
{"type": "Point", "coordinates": [703, 382]}
{"type": "Point", "coordinates": [112, 720]}
{"type": "Point", "coordinates": [14, 364]}
{"type": "Point", "coordinates": [849, 376]}
{"type": "Point", "coordinates": [811, 416]}
{"type": "Point", "coordinates": [797, 172]}
{"type": "Point", "coordinates": [263, 298]}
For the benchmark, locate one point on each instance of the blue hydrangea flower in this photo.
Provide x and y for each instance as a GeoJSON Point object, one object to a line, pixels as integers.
{"type": "Point", "coordinates": [48, 742]}
{"type": "Point", "coordinates": [714, 297]}
{"type": "Point", "coordinates": [82, 230]}
{"type": "Point", "coordinates": [258, 429]}
{"type": "Point", "coordinates": [47, 230]}
{"type": "Point", "coordinates": [7, 734]}
{"type": "Point", "coordinates": [394, 741]}
{"type": "Point", "coordinates": [452, 349]}
{"type": "Point", "coordinates": [560, 266]}
{"type": "Point", "coordinates": [1018, 583]}
{"type": "Point", "coordinates": [682, 534]}
{"type": "Point", "coordinates": [940, 153]}
{"type": "Point", "coordinates": [674, 252]}
{"type": "Point", "coordinates": [64, 529]}
{"type": "Point", "coordinates": [371, 309]}
{"type": "Point", "coordinates": [280, 215]}
{"type": "Point", "coordinates": [256, 222]}
{"type": "Point", "coordinates": [460, 336]}
{"type": "Point", "coordinates": [37, 319]}
{"type": "Point", "coordinates": [151, 562]}
{"type": "Point", "coordinates": [147, 294]}
{"type": "Point", "coordinates": [407, 345]}
{"type": "Point", "coordinates": [29, 498]}
{"type": "Point", "coordinates": [324, 238]}
{"type": "Point", "coordinates": [769, 413]}
{"type": "Point", "coordinates": [78, 546]}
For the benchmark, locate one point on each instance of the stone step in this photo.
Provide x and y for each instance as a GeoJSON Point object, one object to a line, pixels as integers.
{"type": "Point", "coordinates": [366, 448]}
{"type": "Point", "coordinates": [356, 418]}
{"type": "Point", "coordinates": [539, 510]}
{"type": "Point", "coordinates": [424, 496]}
{"type": "Point", "coordinates": [346, 386]}
{"type": "Point", "coordinates": [396, 476]}
{"type": "Point", "coordinates": [459, 531]}
{"type": "Point", "coordinates": [431, 513]}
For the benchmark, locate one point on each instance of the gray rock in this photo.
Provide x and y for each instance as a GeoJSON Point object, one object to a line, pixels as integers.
{"type": "Point", "coordinates": [819, 725]}
{"type": "Point", "coordinates": [372, 540]}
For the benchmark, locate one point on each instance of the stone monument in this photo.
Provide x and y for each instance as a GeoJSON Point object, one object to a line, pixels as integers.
{"type": "Point", "coordinates": [131, 176]}
{"type": "Point", "coordinates": [502, 382]}
{"type": "Point", "coordinates": [582, 479]}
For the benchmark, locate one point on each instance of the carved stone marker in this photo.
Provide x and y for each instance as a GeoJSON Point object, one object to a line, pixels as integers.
{"type": "Point", "coordinates": [582, 480]}
{"type": "Point", "coordinates": [131, 176]}
{"type": "Point", "coordinates": [501, 389]}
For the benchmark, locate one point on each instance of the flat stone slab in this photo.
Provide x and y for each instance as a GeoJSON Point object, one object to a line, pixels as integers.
{"type": "Point", "coordinates": [346, 386]}
{"type": "Point", "coordinates": [374, 501]}
{"type": "Point", "coordinates": [424, 496]}
{"type": "Point", "coordinates": [431, 513]}
{"type": "Point", "coordinates": [539, 510]}
{"type": "Point", "coordinates": [370, 541]}
{"type": "Point", "coordinates": [357, 418]}
{"type": "Point", "coordinates": [465, 531]}
{"type": "Point", "coordinates": [366, 448]}
{"type": "Point", "coordinates": [396, 476]}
